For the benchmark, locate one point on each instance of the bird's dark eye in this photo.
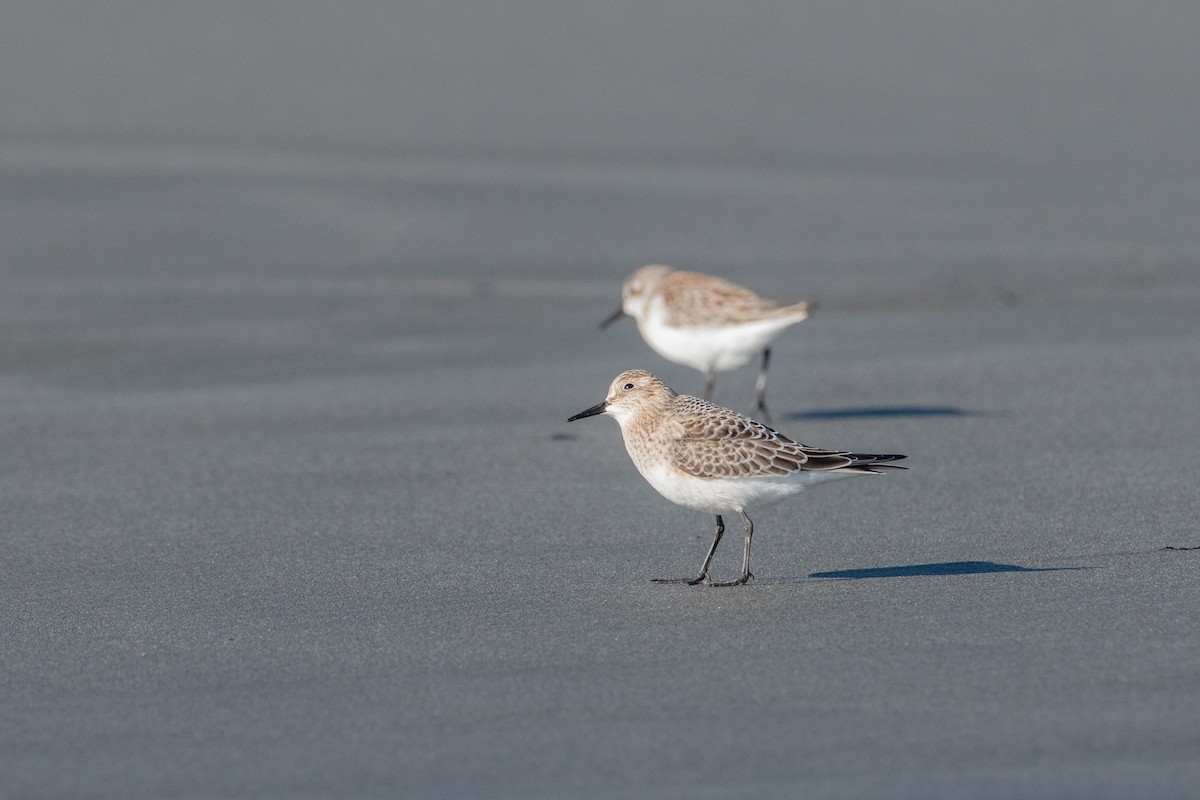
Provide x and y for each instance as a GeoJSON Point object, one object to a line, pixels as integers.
{"type": "Point", "coordinates": [627, 386]}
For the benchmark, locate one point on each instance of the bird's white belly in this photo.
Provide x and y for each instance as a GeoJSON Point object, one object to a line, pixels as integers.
{"type": "Point", "coordinates": [725, 495]}
{"type": "Point", "coordinates": [706, 349]}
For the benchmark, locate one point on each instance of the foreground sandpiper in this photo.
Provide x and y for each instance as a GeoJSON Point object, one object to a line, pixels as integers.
{"type": "Point", "coordinates": [708, 458]}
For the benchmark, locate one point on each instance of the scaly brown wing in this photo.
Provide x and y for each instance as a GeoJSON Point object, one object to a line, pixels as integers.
{"type": "Point", "coordinates": [715, 442]}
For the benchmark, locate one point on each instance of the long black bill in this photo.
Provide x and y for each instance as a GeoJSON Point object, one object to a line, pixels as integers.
{"type": "Point", "coordinates": [591, 412]}
{"type": "Point", "coordinates": [616, 315]}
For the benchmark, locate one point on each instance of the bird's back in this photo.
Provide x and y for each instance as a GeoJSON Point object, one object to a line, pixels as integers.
{"type": "Point", "coordinates": [692, 299]}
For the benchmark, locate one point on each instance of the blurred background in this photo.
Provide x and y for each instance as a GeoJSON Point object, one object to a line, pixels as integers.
{"type": "Point", "coordinates": [539, 139]}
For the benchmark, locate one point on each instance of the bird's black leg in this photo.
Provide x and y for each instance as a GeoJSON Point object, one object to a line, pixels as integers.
{"type": "Point", "coordinates": [745, 576]}
{"type": "Point", "coordinates": [760, 388]}
{"type": "Point", "coordinates": [708, 388]}
{"type": "Point", "coordinates": [703, 576]}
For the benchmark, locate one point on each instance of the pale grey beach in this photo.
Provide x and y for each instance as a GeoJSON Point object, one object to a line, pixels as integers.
{"type": "Point", "coordinates": [297, 299]}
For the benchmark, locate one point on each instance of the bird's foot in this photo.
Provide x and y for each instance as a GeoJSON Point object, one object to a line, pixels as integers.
{"type": "Point", "coordinates": [702, 578]}
{"type": "Point", "coordinates": [735, 582]}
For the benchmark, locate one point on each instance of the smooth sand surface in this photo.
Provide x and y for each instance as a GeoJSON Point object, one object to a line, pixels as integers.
{"type": "Point", "coordinates": [295, 304]}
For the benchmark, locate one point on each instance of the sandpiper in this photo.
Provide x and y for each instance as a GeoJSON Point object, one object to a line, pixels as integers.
{"type": "Point", "coordinates": [708, 458]}
{"type": "Point", "coordinates": [705, 322]}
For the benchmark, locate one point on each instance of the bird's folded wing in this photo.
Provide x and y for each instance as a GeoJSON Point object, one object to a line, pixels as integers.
{"type": "Point", "coordinates": [735, 447]}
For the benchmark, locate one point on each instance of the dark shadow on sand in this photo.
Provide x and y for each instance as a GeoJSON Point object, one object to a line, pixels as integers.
{"type": "Point", "coordinates": [884, 411]}
{"type": "Point", "coordinates": [919, 570]}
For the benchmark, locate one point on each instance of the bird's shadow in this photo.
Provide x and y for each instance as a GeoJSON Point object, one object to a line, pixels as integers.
{"type": "Point", "coordinates": [862, 412]}
{"type": "Point", "coordinates": [927, 570]}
